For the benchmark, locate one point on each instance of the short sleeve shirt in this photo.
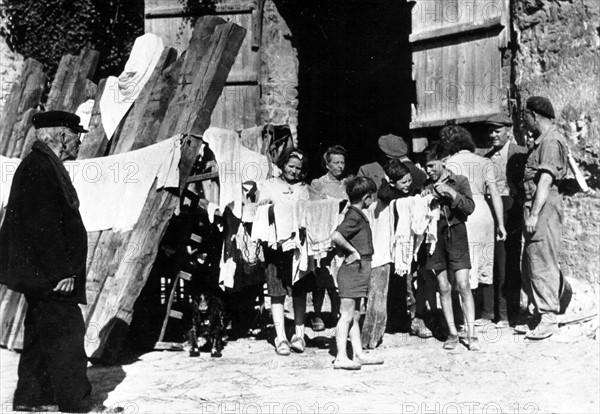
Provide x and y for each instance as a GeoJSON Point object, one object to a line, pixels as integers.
{"type": "Point", "coordinates": [548, 155]}
{"type": "Point", "coordinates": [355, 228]}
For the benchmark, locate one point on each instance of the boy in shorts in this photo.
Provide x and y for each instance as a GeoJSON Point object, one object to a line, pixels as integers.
{"type": "Point", "coordinates": [354, 236]}
{"type": "Point", "coordinates": [450, 260]}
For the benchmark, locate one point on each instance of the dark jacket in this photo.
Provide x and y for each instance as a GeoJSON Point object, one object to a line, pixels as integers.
{"type": "Point", "coordinates": [515, 167]}
{"type": "Point", "coordinates": [457, 211]}
{"type": "Point", "coordinates": [43, 239]}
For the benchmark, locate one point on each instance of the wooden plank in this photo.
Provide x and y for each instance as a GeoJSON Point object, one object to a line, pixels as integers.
{"type": "Point", "coordinates": [143, 120]}
{"type": "Point", "coordinates": [94, 143]}
{"type": "Point", "coordinates": [204, 71]}
{"type": "Point", "coordinates": [69, 86]}
{"type": "Point", "coordinates": [25, 94]}
{"type": "Point", "coordinates": [174, 8]}
{"type": "Point", "coordinates": [458, 30]}
{"type": "Point", "coordinates": [238, 107]}
{"type": "Point", "coordinates": [442, 122]}
{"type": "Point", "coordinates": [19, 133]}
{"type": "Point", "coordinates": [202, 177]}
{"type": "Point", "coordinates": [257, 23]}
{"type": "Point", "coordinates": [176, 32]}
{"type": "Point", "coordinates": [376, 312]}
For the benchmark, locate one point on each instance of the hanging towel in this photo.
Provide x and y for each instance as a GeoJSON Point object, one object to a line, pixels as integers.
{"type": "Point", "coordinates": [381, 222]}
{"type": "Point", "coordinates": [262, 230]}
{"type": "Point", "coordinates": [226, 146]}
{"type": "Point", "coordinates": [113, 190]}
{"type": "Point", "coordinates": [424, 223]}
{"type": "Point", "coordinates": [251, 138]}
{"type": "Point", "coordinates": [84, 112]}
{"type": "Point", "coordinates": [320, 219]}
{"type": "Point", "coordinates": [404, 236]}
{"type": "Point", "coordinates": [8, 166]}
{"type": "Point", "coordinates": [120, 93]}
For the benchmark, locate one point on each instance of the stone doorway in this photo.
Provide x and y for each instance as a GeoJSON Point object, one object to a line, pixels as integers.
{"type": "Point", "coordinates": [354, 78]}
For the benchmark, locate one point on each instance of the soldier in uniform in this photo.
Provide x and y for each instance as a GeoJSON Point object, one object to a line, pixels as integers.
{"type": "Point", "coordinates": [543, 218]}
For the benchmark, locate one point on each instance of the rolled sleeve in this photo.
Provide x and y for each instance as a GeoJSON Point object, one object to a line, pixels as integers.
{"type": "Point", "coordinates": [551, 159]}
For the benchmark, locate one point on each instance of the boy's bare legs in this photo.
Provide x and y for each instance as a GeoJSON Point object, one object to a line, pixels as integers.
{"type": "Point", "coordinates": [359, 355]}
{"type": "Point", "coordinates": [468, 305]}
{"type": "Point", "coordinates": [344, 327]}
{"type": "Point", "coordinates": [445, 289]}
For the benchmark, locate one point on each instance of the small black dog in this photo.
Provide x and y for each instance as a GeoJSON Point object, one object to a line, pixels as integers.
{"type": "Point", "coordinates": [209, 321]}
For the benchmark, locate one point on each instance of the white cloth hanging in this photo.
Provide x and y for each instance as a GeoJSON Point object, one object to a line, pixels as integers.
{"type": "Point", "coordinates": [120, 93]}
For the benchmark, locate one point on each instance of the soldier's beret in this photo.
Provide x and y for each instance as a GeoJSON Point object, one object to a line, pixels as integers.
{"type": "Point", "coordinates": [541, 105]}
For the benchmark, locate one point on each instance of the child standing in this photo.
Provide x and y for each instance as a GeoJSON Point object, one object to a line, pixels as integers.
{"type": "Point", "coordinates": [354, 236]}
{"type": "Point", "coordinates": [452, 194]}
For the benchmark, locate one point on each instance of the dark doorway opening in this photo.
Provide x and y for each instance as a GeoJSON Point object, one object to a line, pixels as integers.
{"type": "Point", "coordinates": [355, 81]}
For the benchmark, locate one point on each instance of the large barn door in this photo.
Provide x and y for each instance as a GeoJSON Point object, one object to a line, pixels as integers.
{"type": "Point", "coordinates": [457, 62]}
{"type": "Point", "coordinates": [239, 104]}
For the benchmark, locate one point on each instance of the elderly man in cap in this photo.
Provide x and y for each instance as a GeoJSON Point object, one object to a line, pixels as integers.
{"type": "Point", "coordinates": [509, 159]}
{"type": "Point", "coordinates": [543, 218]}
{"type": "Point", "coordinates": [43, 248]}
{"type": "Point", "coordinates": [392, 147]}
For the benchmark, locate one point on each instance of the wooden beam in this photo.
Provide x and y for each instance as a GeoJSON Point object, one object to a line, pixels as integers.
{"type": "Point", "coordinates": [442, 122]}
{"type": "Point", "coordinates": [203, 73]}
{"type": "Point", "coordinates": [25, 94]}
{"type": "Point", "coordinates": [69, 86]}
{"type": "Point", "coordinates": [174, 8]}
{"type": "Point", "coordinates": [457, 30]}
{"type": "Point", "coordinates": [94, 143]}
{"type": "Point", "coordinates": [202, 177]}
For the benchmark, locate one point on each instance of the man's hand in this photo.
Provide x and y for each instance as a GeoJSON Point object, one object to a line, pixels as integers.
{"type": "Point", "coordinates": [65, 286]}
{"type": "Point", "coordinates": [353, 257]}
{"type": "Point", "coordinates": [445, 190]}
{"type": "Point", "coordinates": [530, 222]}
{"type": "Point", "coordinates": [501, 236]}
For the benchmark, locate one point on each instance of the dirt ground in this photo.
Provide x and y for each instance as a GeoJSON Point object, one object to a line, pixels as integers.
{"type": "Point", "coordinates": [506, 376]}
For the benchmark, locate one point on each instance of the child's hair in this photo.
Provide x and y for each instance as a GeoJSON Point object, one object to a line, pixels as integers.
{"type": "Point", "coordinates": [436, 151]}
{"type": "Point", "coordinates": [333, 150]}
{"type": "Point", "coordinates": [358, 187]}
{"type": "Point", "coordinates": [293, 153]}
{"type": "Point", "coordinates": [395, 170]}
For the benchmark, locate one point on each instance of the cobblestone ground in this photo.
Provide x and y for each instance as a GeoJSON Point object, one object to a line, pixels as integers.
{"type": "Point", "coordinates": [506, 376]}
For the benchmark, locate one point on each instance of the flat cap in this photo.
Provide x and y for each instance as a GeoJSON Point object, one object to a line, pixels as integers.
{"type": "Point", "coordinates": [57, 119]}
{"type": "Point", "coordinates": [541, 105]}
{"type": "Point", "coordinates": [393, 146]}
{"type": "Point", "coordinates": [500, 119]}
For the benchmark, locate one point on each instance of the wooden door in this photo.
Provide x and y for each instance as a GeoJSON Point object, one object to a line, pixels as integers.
{"type": "Point", "coordinates": [457, 61]}
{"type": "Point", "coordinates": [239, 104]}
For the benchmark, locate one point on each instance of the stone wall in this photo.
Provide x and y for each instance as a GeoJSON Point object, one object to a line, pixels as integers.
{"type": "Point", "coordinates": [558, 56]}
{"type": "Point", "coordinates": [279, 74]}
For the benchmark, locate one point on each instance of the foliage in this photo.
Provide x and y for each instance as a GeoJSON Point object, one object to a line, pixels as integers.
{"type": "Point", "coordinates": [45, 30]}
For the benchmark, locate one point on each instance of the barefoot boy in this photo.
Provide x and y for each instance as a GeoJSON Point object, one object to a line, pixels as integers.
{"type": "Point", "coordinates": [353, 235]}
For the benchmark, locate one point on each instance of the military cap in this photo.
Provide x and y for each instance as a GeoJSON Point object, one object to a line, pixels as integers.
{"type": "Point", "coordinates": [541, 105]}
{"type": "Point", "coordinates": [57, 119]}
{"type": "Point", "coordinates": [500, 119]}
{"type": "Point", "coordinates": [393, 146]}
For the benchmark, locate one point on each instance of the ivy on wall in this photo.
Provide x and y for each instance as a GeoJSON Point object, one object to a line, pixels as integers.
{"type": "Point", "coordinates": [45, 30]}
